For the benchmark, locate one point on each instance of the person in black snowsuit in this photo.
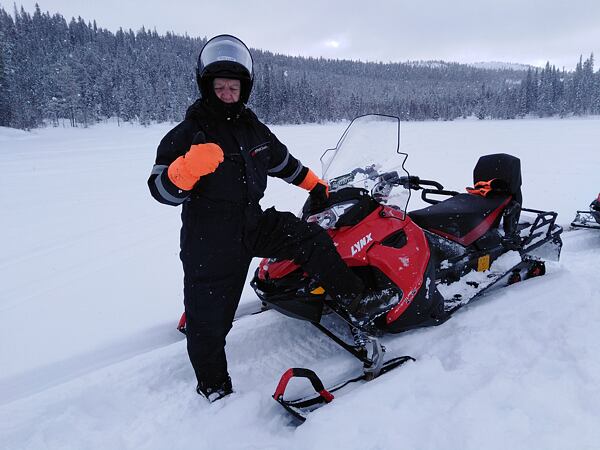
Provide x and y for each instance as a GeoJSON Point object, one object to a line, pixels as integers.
{"type": "Point", "coordinates": [215, 164]}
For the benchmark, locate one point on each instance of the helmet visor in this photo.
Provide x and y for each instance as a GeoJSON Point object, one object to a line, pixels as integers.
{"type": "Point", "coordinates": [225, 48]}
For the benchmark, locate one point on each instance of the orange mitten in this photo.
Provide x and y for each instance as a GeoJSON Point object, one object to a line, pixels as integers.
{"type": "Point", "coordinates": [200, 160]}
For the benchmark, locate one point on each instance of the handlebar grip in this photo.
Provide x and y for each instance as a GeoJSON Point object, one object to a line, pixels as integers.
{"type": "Point", "coordinates": [435, 184]}
{"type": "Point", "coordinates": [391, 177]}
{"type": "Point", "coordinates": [409, 182]}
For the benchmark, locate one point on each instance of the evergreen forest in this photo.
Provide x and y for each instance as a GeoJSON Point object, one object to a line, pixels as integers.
{"type": "Point", "coordinates": [54, 71]}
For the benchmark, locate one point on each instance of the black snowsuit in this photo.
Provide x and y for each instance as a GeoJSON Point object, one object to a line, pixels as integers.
{"type": "Point", "coordinates": [223, 226]}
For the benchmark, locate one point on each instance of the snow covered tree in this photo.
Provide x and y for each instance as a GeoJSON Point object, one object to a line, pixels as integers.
{"type": "Point", "coordinates": [51, 69]}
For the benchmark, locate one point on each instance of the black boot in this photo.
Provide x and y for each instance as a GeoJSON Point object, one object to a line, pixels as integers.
{"type": "Point", "coordinates": [214, 392]}
{"type": "Point", "coordinates": [369, 305]}
{"type": "Point", "coordinates": [351, 302]}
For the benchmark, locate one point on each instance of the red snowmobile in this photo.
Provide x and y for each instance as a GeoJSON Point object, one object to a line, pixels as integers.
{"type": "Point", "coordinates": [419, 267]}
{"type": "Point", "coordinates": [588, 219]}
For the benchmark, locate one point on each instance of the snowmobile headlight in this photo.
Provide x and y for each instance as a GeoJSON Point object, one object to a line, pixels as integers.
{"type": "Point", "coordinates": [329, 217]}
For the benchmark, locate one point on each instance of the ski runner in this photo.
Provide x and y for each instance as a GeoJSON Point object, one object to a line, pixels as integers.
{"type": "Point", "coordinates": [215, 164]}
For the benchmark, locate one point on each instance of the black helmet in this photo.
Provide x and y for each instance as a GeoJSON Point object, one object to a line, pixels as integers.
{"type": "Point", "coordinates": [225, 56]}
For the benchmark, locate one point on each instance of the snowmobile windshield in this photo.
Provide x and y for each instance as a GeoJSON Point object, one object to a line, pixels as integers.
{"type": "Point", "coordinates": [368, 156]}
{"type": "Point", "coordinates": [225, 48]}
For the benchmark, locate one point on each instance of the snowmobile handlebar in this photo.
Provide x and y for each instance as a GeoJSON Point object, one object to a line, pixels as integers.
{"type": "Point", "coordinates": [410, 182]}
{"type": "Point", "coordinates": [388, 179]}
{"type": "Point", "coordinates": [415, 183]}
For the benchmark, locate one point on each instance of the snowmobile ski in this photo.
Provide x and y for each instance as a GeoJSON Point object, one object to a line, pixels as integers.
{"type": "Point", "coordinates": [301, 407]}
{"type": "Point", "coordinates": [369, 351]}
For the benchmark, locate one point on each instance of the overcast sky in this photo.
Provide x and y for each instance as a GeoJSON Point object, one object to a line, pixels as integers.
{"type": "Point", "coordinates": [519, 31]}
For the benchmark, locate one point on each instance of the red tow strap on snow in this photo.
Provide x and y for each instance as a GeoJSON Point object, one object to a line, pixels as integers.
{"type": "Point", "coordinates": [304, 373]}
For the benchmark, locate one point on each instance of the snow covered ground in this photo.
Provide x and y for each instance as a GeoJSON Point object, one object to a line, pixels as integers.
{"type": "Point", "coordinates": [90, 292]}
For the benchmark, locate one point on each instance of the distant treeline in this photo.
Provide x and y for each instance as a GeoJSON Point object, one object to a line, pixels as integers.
{"type": "Point", "coordinates": [51, 70]}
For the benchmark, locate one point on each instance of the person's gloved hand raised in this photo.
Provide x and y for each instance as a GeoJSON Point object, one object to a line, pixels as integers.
{"type": "Point", "coordinates": [317, 188]}
{"type": "Point", "coordinates": [201, 159]}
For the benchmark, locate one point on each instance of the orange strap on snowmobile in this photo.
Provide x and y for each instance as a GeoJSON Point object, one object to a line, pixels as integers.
{"type": "Point", "coordinates": [200, 160]}
{"type": "Point", "coordinates": [311, 180]}
{"type": "Point", "coordinates": [483, 188]}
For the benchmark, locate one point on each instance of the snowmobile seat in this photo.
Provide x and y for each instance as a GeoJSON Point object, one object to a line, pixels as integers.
{"type": "Point", "coordinates": [463, 218]}
{"type": "Point", "coordinates": [503, 167]}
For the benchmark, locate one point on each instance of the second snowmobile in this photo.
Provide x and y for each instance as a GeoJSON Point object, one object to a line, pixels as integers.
{"type": "Point", "coordinates": [419, 267]}
{"type": "Point", "coordinates": [588, 219]}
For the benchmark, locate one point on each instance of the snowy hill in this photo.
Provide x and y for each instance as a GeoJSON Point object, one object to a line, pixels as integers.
{"type": "Point", "coordinates": [498, 65]}
{"type": "Point", "coordinates": [91, 360]}
{"type": "Point", "coordinates": [488, 65]}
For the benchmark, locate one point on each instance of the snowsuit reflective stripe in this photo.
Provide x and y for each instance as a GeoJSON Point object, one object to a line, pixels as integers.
{"type": "Point", "coordinates": [223, 227]}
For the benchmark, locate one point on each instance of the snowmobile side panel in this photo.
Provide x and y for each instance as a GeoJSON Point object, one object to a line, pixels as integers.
{"type": "Point", "coordinates": [425, 309]}
{"type": "Point", "coordinates": [404, 266]}
{"type": "Point", "coordinates": [275, 269]}
{"type": "Point", "coordinates": [353, 243]}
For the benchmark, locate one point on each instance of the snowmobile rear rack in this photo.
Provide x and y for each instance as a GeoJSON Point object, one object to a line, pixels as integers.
{"type": "Point", "coordinates": [543, 230]}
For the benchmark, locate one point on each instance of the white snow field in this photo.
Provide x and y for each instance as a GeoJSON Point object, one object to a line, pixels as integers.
{"type": "Point", "coordinates": [91, 291]}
